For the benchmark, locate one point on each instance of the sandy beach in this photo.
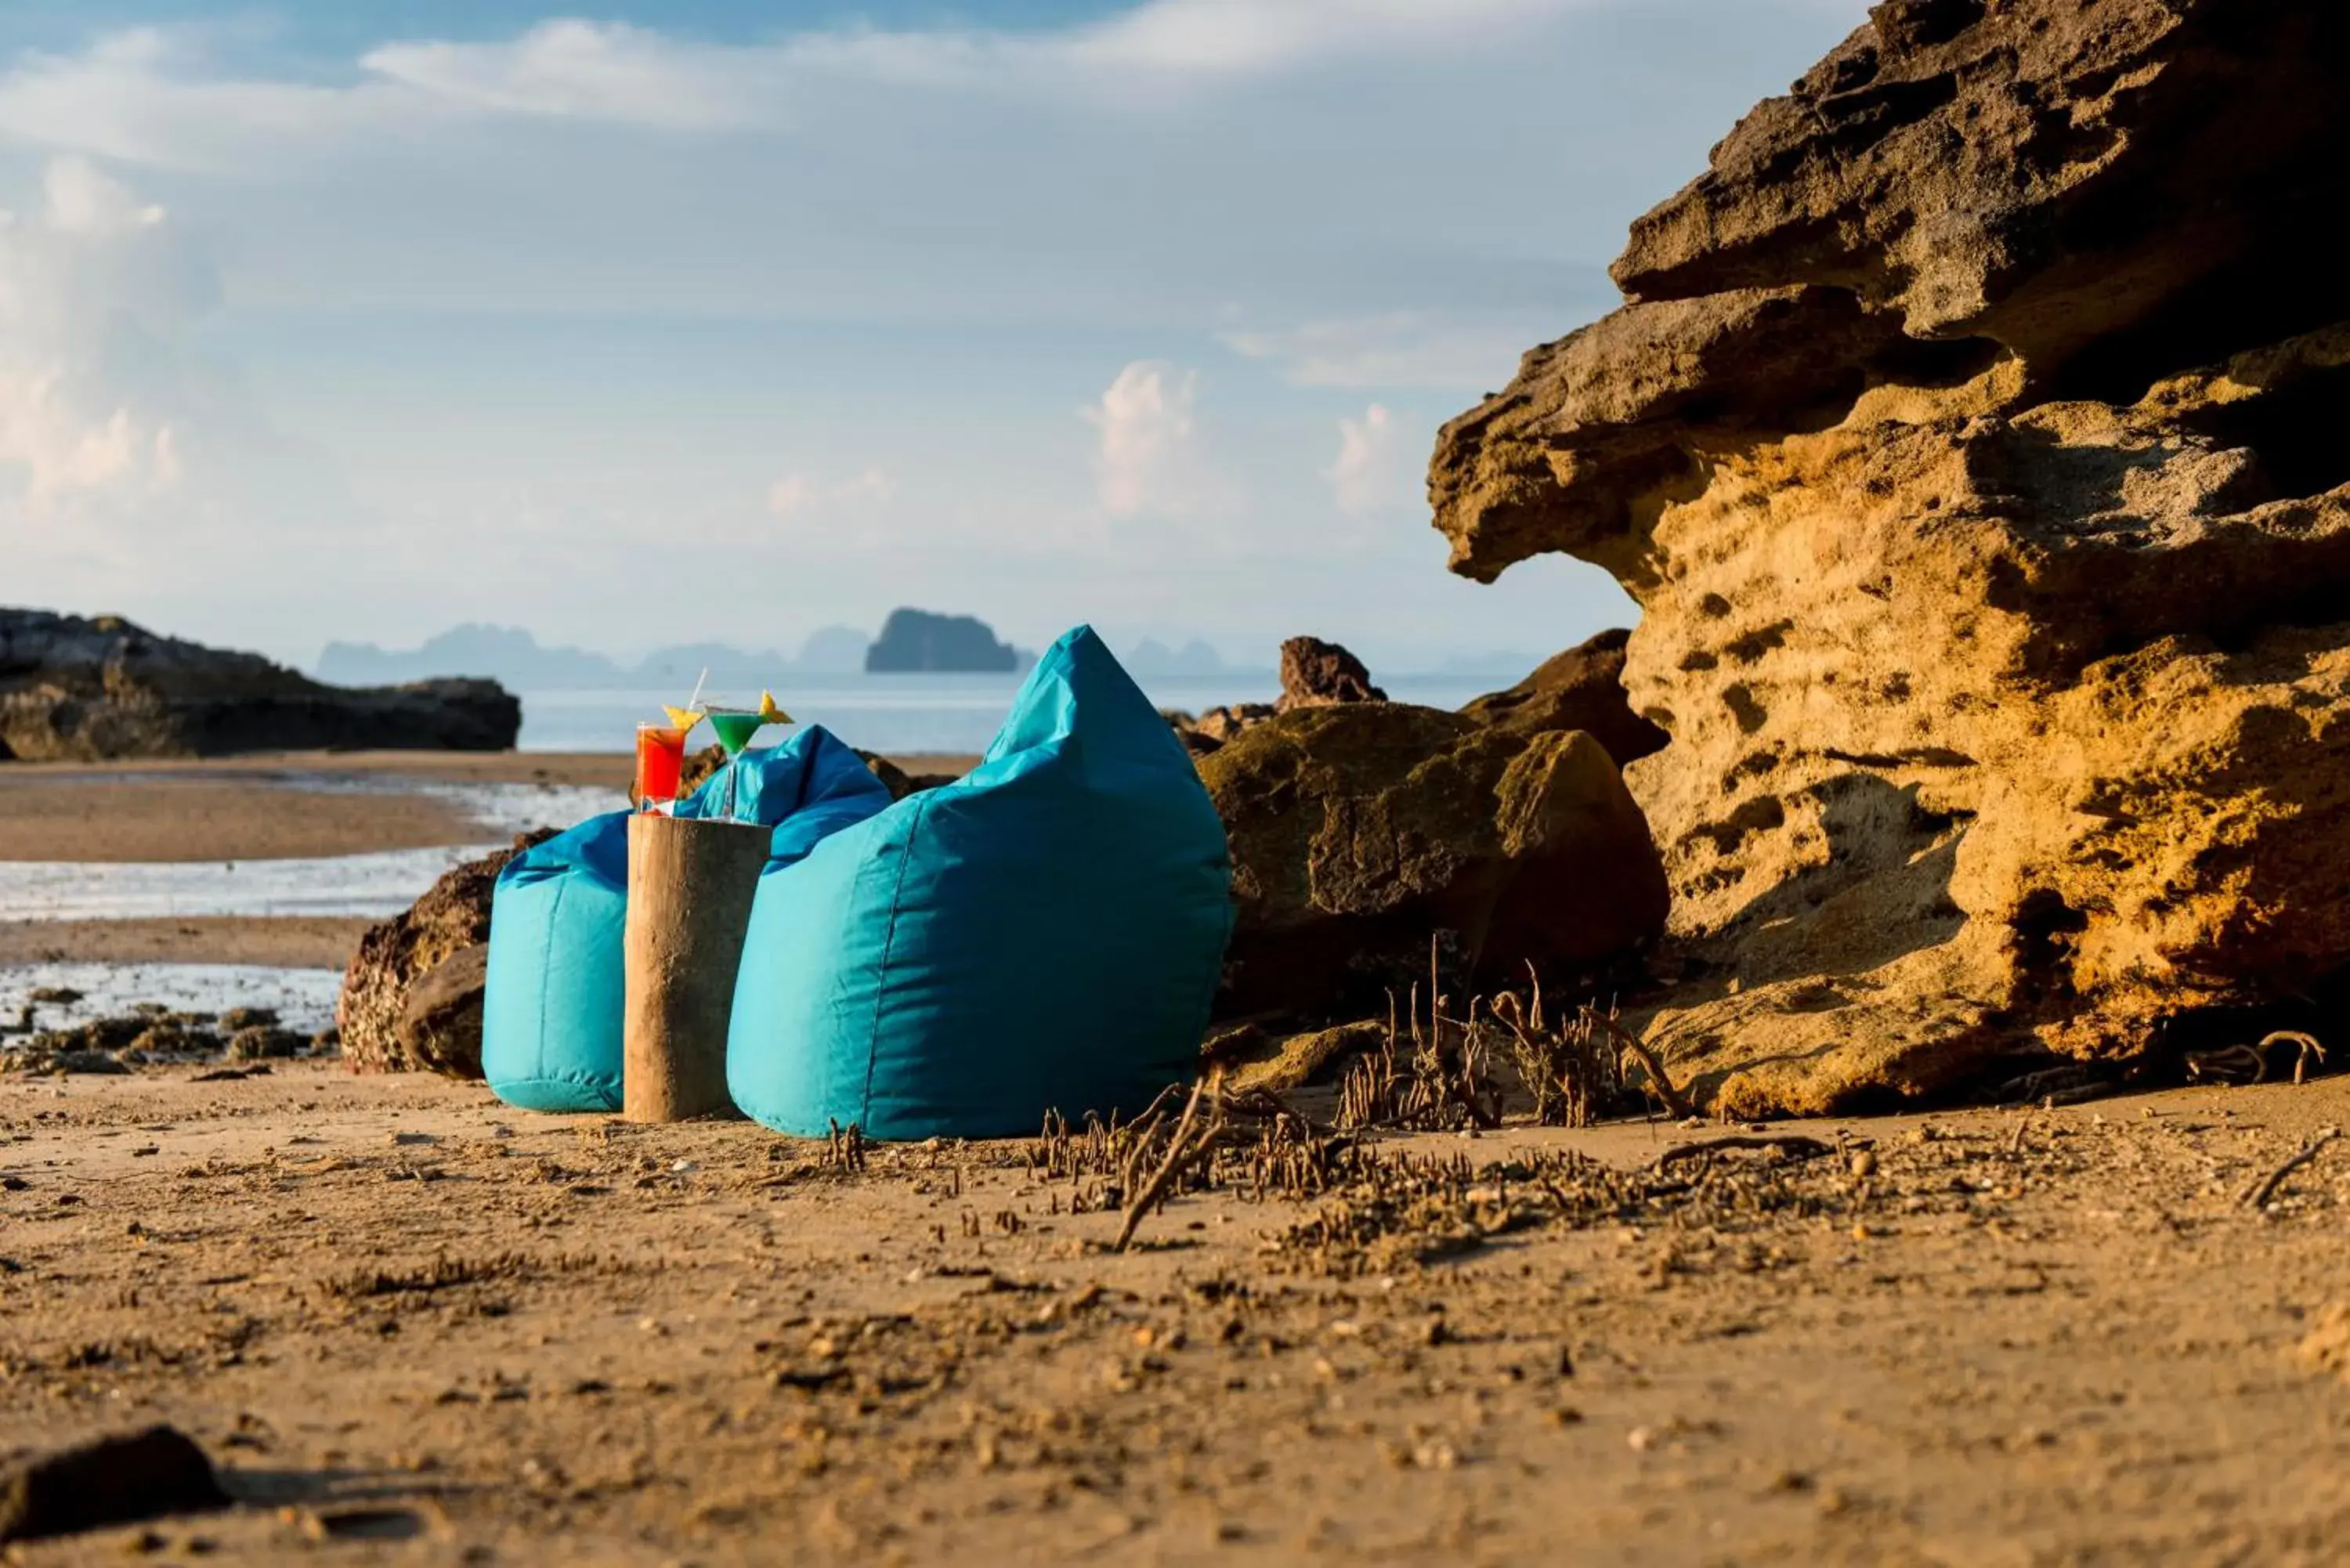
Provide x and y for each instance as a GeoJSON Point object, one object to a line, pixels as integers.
{"type": "Point", "coordinates": [396, 1310]}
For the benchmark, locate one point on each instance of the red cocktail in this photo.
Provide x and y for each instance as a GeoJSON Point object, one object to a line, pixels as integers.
{"type": "Point", "coordinates": [661, 763]}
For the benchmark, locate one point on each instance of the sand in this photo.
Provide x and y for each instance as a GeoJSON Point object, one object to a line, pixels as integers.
{"type": "Point", "coordinates": [2055, 1337]}
{"type": "Point", "coordinates": [244, 808]}
{"type": "Point", "coordinates": [302, 942]}
{"type": "Point", "coordinates": [257, 807]}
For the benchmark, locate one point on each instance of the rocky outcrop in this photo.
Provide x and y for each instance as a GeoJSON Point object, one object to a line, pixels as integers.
{"type": "Point", "coordinates": [85, 689]}
{"type": "Point", "coordinates": [396, 954]}
{"type": "Point", "coordinates": [1211, 729]}
{"type": "Point", "coordinates": [1316, 674]}
{"type": "Point", "coordinates": [1971, 440]}
{"type": "Point", "coordinates": [440, 1025]}
{"type": "Point", "coordinates": [897, 780]}
{"type": "Point", "coordinates": [916, 640]}
{"type": "Point", "coordinates": [1581, 689]}
{"type": "Point", "coordinates": [1358, 831]}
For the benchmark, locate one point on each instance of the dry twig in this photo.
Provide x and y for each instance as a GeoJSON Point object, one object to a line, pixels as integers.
{"type": "Point", "coordinates": [1192, 1140]}
{"type": "Point", "coordinates": [1677, 1102]}
{"type": "Point", "coordinates": [2257, 1197]}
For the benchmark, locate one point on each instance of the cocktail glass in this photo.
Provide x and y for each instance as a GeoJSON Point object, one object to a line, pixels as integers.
{"type": "Point", "coordinates": [734, 728]}
{"type": "Point", "coordinates": [660, 764]}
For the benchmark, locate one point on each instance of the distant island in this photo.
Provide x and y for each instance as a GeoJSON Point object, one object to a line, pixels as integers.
{"type": "Point", "coordinates": [911, 642]}
{"type": "Point", "coordinates": [513, 657]}
{"type": "Point", "coordinates": [1152, 658]}
{"type": "Point", "coordinates": [914, 640]}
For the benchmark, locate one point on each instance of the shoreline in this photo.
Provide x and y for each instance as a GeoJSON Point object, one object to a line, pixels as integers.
{"type": "Point", "coordinates": [289, 805]}
{"type": "Point", "coordinates": [179, 814]}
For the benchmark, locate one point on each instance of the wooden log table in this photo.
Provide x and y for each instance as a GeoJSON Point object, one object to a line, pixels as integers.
{"type": "Point", "coordinates": [690, 888]}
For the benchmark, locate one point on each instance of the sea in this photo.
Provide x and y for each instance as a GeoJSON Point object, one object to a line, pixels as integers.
{"type": "Point", "coordinates": [903, 715]}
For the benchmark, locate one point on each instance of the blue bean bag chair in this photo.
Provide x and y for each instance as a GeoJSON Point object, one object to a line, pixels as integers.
{"type": "Point", "coordinates": [1043, 933]}
{"type": "Point", "coordinates": [551, 1015]}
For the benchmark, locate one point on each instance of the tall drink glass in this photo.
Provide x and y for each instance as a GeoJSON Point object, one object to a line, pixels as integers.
{"type": "Point", "coordinates": [660, 764]}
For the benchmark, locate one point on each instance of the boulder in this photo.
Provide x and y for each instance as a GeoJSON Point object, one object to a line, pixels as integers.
{"type": "Point", "coordinates": [1316, 674]}
{"type": "Point", "coordinates": [85, 689]}
{"type": "Point", "coordinates": [441, 1020]}
{"type": "Point", "coordinates": [898, 782]}
{"type": "Point", "coordinates": [264, 1042]}
{"type": "Point", "coordinates": [1211, 729]}
{"type": "Point", "coordinates": [1581, 689]}
{"type": "Point", "coordinates": [1360, 830]}
{"type": "Point", "coordinates": [1280, 1064]}
{"type": "Point", "coordinates": [1970, 438]}
{"type": "Point", "coordinates": [393, 955]}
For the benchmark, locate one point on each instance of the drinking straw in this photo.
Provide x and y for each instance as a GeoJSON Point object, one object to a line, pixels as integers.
{"type": "Point", "coordinates": [697, 685]}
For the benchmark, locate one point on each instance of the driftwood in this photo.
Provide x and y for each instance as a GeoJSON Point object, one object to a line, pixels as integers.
{"type": "Point", "coordinates": [1675, 1101]}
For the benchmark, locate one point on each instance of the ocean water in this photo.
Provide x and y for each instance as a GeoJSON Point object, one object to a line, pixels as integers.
{"type": "Point", "coordinates": [903, 715]}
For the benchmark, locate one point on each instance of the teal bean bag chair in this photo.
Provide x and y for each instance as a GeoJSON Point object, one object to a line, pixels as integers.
{"type": "Point", "coordinates": [1044, 933]}
{"type": "Point", "coordinates": [551, 1015]}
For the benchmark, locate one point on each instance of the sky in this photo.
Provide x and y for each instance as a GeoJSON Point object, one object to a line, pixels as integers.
{"type": "Point", "coordinates": [731, 320]}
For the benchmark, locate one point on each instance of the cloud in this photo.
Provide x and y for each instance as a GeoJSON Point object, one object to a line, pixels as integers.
{"type": "Point", "coordinates": [148, 95]}
{"type": "Point", "coordinates": [1438, 351]}
{"type": "Point", "coordinates": [1225, 37]}
{"type": "Point", "coordinates": [1374, 472]}
{"type": "Point", "coordinates": [129, 462]}
{"type": "Point", "coordinates": [796, 494]}
{"type": "Point", "coordinates": [1150, 462]}
{"type": "Point", "coordinates": [615, 72]}
{"type": "Point", "coordinates": [604, 71]}
{"type": "Point", "coordinates": [90, 276]}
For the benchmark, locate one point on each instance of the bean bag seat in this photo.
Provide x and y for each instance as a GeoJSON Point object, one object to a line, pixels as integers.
{"type": "Point", "coordinates": [1045, 933]}
{"type": "Point", "coordinates": [551, 1015]}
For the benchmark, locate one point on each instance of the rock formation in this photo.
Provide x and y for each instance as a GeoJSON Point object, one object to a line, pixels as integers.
{"type": "Point", "coordinates": [81, 690]}
{"type": "Point", "coordinates": [1581, 689]}
{"type": "Point", "coordinates": [916, 640]}
{"type": "Point", "coordinates": [1971, 437]}
{"type": "Point", "coordinates": [1315, 674]}
{"type": "Point", "coordinates": [1360, 830]}
{"type": "Point", "coordinates": [897, 780]}
{"type": "Point", "coordinates": [440, 1027]}
{"type": "Point", "coordinates": [396, 955]}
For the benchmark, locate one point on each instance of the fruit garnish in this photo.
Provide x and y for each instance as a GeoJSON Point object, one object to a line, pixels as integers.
{"type": "Point", "coordinates": [768, 712]}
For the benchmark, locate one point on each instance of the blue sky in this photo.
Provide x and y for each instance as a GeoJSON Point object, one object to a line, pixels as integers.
{"type": "Point", "coordinates": [732, 320]}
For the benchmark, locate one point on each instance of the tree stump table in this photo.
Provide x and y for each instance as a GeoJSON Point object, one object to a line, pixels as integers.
{"type": "Point", "coordinates": [690, 888]}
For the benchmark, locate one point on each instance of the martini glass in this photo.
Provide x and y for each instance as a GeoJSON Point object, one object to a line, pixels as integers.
{"type": "Point", "coordinates": [734, 727]}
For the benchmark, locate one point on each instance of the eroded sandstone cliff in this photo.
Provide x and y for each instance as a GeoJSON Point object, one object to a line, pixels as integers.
{"type": "Point", "coordinates": [1973, 438]}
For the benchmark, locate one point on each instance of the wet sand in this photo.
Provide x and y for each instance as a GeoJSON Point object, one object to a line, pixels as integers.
{"type": "Point", "coordinates": [393, 1307]}
{"type": "Point", "coordinates": [254, 807]}
{"type": "Point", "coordinates": [260, 807]}
{"type": "Point", "coordinates": [299, 942]}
